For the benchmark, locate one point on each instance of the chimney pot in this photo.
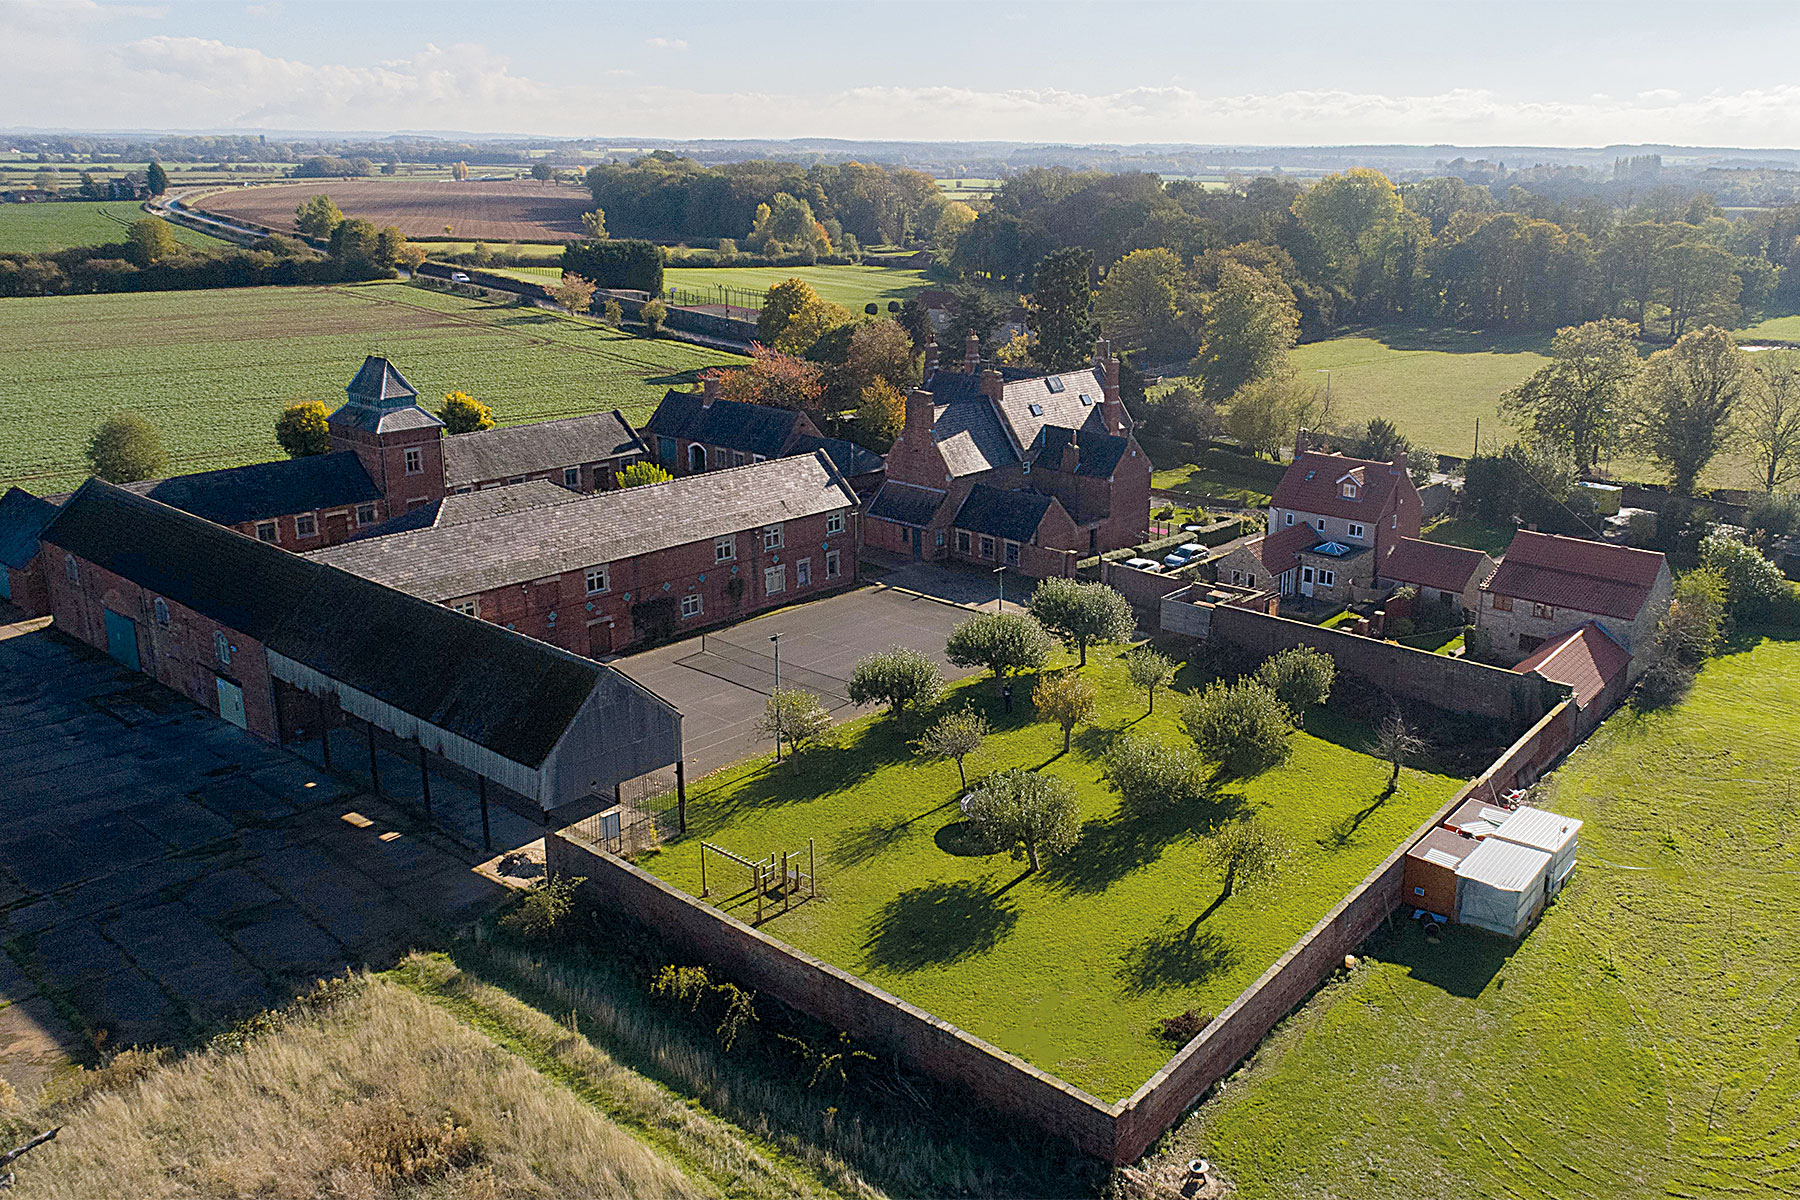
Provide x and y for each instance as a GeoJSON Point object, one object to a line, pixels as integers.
{"type": "Point", "coordinates": [1299, 442]}
{"type": "Point", "coordinates": [709, 388]}
{"type": "Point", "coordinates": [931, 359]}
{"type": "Point", "coordinates": [971, 353]}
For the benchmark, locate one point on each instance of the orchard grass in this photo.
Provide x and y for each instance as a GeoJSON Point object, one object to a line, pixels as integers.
{"type": "Point", "coordinates": [1639, 1041]}
{"type": "Point", "coordinates": [64, 225]}
{"type": "Point", "coordinates": [1070, 968]}
{"type": "Point", "coordinates": [212, 369]}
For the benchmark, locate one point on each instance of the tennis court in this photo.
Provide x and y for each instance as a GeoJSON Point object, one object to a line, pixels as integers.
{"type": "Point", "coordinates": [720, 686]}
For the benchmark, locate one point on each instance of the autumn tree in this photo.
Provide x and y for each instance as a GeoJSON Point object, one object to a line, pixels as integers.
{"type": "Point", "coordinates": [151, 239]}
{"type": "Point", "coordinates": [954, 736]}
{"type": "Point", "coordinates": [897, 677]}
{"type": "Point", "coordinates": [1579, 400]}
{"type": "Point", "coordinates": [1082, 614]}
{"type": "Point", "coordinates": [573, 293]}
{"type": "Point", "coordinates": [780, 304]}
{"type": "Point", "coordinates": [126, 448]}
{"type": "Point", "coordinates": [1059, 309]}
{"type": "Point", "coordinates": [1137, 300]}
{"type": "Point", "coordinates": [463, 413]}
{"type": "Point", "coordinates": [1065, 698]}
{"type": "Point", "coordinates": [640, 473]}
{"type": "Point", "coordinates": [317, 217]}
{"type": "Point", "coordinates": [880, 415]}
{"type": "Point", "coordinates": [594, 224]}
{"type": "Point", "coordinates": [1686, 396]}
{"type": "Point", "coordinates": [1149, 672]}
{"type": "Point", "coordinates": [774, 378]}
{"type": "Point", "coordinates": [1250, 324]}
{"type": "Point", "coordinates": [459, 170]}
{"type": "Point", "coordinates": [301, 429]}
{"type": "Point", "coordinates": [1029, 813]}
{"type": "Point", "coordinates": [1768, 417]}
{"type": "Point", "coordinates": [653, 314]}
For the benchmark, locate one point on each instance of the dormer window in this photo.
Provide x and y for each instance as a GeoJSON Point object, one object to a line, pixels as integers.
{"type": "Point", "coordinates": [1086, 399]}
{"type": "Point", "coordinates": [1349, 490]}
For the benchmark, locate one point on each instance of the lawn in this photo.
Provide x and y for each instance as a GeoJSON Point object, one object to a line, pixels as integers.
{"type": "Point", "coordinates": [1778, 329]}
{"type": "Point", "coordinates": [212, 368]}
{"type": "Point", "coordinates": [1470, 533]}
{"type": "Point", "coordinates": [1222, 475]}
{"type": "Point", "coordinates": [1639, 1042]}
{"type": "Point", "coordinates": [1071, 967]}
{"type": "Point", "coordinates": [40, 228]}
{"type": "Point", "coordinates": [850, 286]}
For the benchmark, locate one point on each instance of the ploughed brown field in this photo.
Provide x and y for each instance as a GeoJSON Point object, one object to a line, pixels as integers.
{"type": "Point", "coordinates": [522, 211]}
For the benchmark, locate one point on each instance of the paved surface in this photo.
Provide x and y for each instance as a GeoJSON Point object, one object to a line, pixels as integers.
{"type": "Point", "coordinates": [162, 872]}
{"type": "Point", "coordinates": [721, 691]}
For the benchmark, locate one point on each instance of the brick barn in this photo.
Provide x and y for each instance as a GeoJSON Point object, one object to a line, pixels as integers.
{"type": "Point", "coordinates": [22, 519]}
{"type": "Point", "coordinates": [1549, 586]}
{"type": "Point", "coordinates": [695, 432]}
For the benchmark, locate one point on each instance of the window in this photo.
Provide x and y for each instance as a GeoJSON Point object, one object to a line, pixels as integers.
{"type": "Point", "coordinates": [668, 449]}
{"type": "Point", "coordinates": [1321, 524]}
{"type": "Point", "coordinates": [415, 461]}
{"type": "Point", "coordinates": [774, 580]}
{"type": "Point", "coordinates": [803, 573]}
{"type": "Point", "coordinates": [70, 570]}
{"type": "Point", "coordinates": [834, 522]}
{"type": "Point", "coordinates": [1025, 467]}
{"type": "Point", "coordinates": [221, 647]}
{"type": "Point", "coordinates": [940, 539]}
{"type": "Point", "coordinates": [832, 561]}
{"type": "Point", "coordinates": [1544, 611]}
{"type": "Point", "coordinates": [596, 580]}
{"type": "Point", "coordinates": [365, 513]}
{"type": "Point", "coordinates": [572, 478]}
{"type": "Point", "coordinates": [737, 458]}
{"type": "Point", "coordinates": [1054, 383]}
{"type": "Point", "coordinates": [692, 605]}
{"type": "Point", "coordinates": [1356, 529]}
{"type": "Point", "coordinates": [266, 531]}
{"type": "Point", "coordinates": [1328, 578]}
{"type": "Point", "coordinates": [725, 548]}
{"type": "Point", "coordinates": [1237, 577]}
{"type": "Point", "coordinates": [1012, 554]}
{"type": "Point", "coordinates": [962, 541]}
{"type": "Point", "coordinates": [1418, 891]}
{"type": "Point", "coordinates": [987, 546]}
{"type": "Point", "coordinates": [600, 473]}
{"type": "Point", "coordinates": [1290, 518]}
{"type": "Point", "coordinates": [162, 611]}
{"type": "Point", "coordinates": [1502, 603]}
{"type": "Point", "coordinates": [468, 608]}
{"type": "Point", "coordinates": [306, 525]}
{"type": "Point", "coordinates": [1249, 581]}
{"type": "Point", "coordinates": [417, 502]}
{"type": "Point", "coordinates": [510, 478]}
{"type": "Point", "coordinates": [464, 490]}
{"type": "Point", "coordinates": [1349, 491]}
{"type": "Point", "coordinates": [1037, 410]}
{"type": "Point", "coordinates": [771, 537]}
{"type": "Point", "coordinates": [1086, 399]}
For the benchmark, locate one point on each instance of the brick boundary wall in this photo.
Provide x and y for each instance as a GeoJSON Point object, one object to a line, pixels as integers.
{"type": "Point", "coordinates": [1455, 684]}
{"type": "Point", "coordinates": [1144, 589]}
{"type": "Point", "coordinates": [1118, 1133]}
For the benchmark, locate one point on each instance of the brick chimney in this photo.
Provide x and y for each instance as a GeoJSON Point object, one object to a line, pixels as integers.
{"type": "Point", "coordinates": [1399, 467]}
{"type": "Point", "coordinates": [993, 386]}
{"type": "Point", "coordinates": [709, 389]}
{"type": "Point", "coordinates": [921, 415]}
{"type": "Point", "coordinates": [1071, 456]}
{"type": "Point", "coordinates": [1112, 408]}
{"type": "Point", "coordinates": [971, 354]}
{"type": "Point", "coordinates": [1299, 442]}
{"type": "Point", "coordinates": [931, 355]}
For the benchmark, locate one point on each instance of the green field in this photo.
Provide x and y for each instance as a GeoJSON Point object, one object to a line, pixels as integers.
{"type": "Point", "coordinates": [850, 286]}
{"type": "Point", "coordinates": [38, 228]}
{"type": "Point", "coordinates": [1641, 1041]}
{"type": "Point", "coordinates": [211, 369]}
{"type": "Point", "coordinates": [1071, 967]}
{"type": "Point", "coordinates": [1220, 474]}
{"type": "Point", "coordinates": [1779, 329]}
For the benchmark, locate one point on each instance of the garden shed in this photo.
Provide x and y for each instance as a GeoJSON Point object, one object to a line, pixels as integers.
{"type": "Point", "coordinates": [1544, 830]}
{"type": "Point", "coordinates": [1476, 818]}
{"type": "Point", "coordinates": [1502, 886]}
{"type": "Point", "coordinates": [1430, 873]}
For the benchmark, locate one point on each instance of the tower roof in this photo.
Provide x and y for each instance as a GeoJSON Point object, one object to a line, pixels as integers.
{"type": "Point", "coordinates": [380, 385]}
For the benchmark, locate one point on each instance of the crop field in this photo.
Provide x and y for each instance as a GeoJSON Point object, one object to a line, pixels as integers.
{"type": "Point", "coordinates": [39, 228]}
{"type": "Point", "coordinates": [851, 286]}
{"type": "Point", "coordinates": [1639, 1042]}
{"type": "Point", "coordinates": [211, 369]}
{"type": "Point", "coordinates": [1070, 967]}
{"type": "Point", "coordinates": [526, 211]}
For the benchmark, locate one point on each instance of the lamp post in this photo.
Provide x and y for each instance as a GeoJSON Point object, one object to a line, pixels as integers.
{"type": "Point", "coordinates": [776, 639]}
{"type": "Point", "coordinates": [1000, 576]}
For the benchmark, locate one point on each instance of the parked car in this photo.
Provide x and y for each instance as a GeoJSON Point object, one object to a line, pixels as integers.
{"type": "Point", "coordinates": [1182, 555]}
{"type": "Point", "coordinates": [458, 277]}
{"type": "Point", "coordinates": [1142, 564]}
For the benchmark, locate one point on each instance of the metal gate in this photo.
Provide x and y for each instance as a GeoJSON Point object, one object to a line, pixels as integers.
{"type": "Point", "coordinates": [231, 703]}
{"type": "Point", "coordinates": [121, 638]}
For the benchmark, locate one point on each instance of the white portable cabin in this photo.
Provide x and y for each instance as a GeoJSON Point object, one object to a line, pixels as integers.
{"type": "Point", "coordinates": [1502, 886]}
{"type": "Point", "coordinates": [1543, 830]}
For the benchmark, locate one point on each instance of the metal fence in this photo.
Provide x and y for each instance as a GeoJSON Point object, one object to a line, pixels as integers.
{"type": "Point", "coordinates": [645, 815]}
{"type": "Point", "coordinates": [757, 671]}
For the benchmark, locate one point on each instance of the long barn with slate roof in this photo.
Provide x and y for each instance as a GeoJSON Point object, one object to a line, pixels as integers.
{"type": "Point", "coordinates": [285, 646]}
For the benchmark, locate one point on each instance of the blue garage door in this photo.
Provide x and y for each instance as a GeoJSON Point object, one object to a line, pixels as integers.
{"type": "Point", "coordinates": [121, 638]}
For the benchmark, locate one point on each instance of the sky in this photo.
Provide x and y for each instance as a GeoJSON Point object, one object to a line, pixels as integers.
{"type": "Point", "coordinates": [1492, 72]}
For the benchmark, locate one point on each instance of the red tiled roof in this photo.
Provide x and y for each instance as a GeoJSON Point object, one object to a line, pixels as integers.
{"type": "Point", "coordinates": [1280, 551]}
{"type": "Point", "coordinates": [1587, 660]}
{"type": "Point", "coordinates": [1589, 577]}
{"type": "Point", "coordinates": [1313, 484]}
{"type": "Point", "coordinates": [1433, 564]}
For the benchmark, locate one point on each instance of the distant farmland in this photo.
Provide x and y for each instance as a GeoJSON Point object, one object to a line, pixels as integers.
{"type": "Point", "coordinates": [61, 225]}
{"type": "Point", "coordinates": [522, 211]}
{"type": "Point", "coordinates": [211, 369]}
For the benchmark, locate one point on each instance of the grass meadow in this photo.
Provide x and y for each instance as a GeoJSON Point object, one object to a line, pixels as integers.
{"type": "Point", "coordinates": [40, 228]}
{"type": "Point", "coordinates": [848, 285]}
{"type": "Point", "coordinates": [1072, 967]}
{"type": "Point", "coordinates": [212, 369]}
{"type": "Point", "coordinates": [1641, 1039]}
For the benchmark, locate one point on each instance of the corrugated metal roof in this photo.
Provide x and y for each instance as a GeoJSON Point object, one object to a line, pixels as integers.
{"type": "Point", "coordinates": [1504, 866]}
{"type": "Point", "coordinates": [1538, 828]}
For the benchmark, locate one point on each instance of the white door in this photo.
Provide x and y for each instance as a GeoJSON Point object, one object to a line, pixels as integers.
{"type": "Point", "coordinates": [231, 703]}
{"type": "Point", "coordinates": [1306, 581]}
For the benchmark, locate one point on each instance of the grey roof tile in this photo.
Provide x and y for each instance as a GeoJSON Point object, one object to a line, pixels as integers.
{"type": "Point", "coordinates": [541, 446]}
{"type": "Point", "coordinates": [734, 425]}
{"type": "Point", "coordinates": [1011, 515]}
{"type": "Point", "coordinates": [906, 504]}
{"type": "Point", "coordinates": [262, 491]}
{"type": "Point", "coordinates": [22, 517]}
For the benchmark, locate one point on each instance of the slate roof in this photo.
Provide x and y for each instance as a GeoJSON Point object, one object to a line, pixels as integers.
{"type": "Point", "coordinates": [845, 455]}
{"type": "Point", "coordinates": [970, 437]}
{"type": "Point", "coordinates": [471, 458]}
{"type": "Point", "coordinates": [264, 490]}
{"type": "Point", "coordinates": [447, 561]}
{"type": "Point", "coordinates": [381, 401]}
{"type": "Point", "coordinates": [1097, 454]}
{"type": "Point", "coordinates": [501, 690]}
{"type": "Point", "coordinates": [1313, 485]}
{"type": "Point", "coordinates": [731, 424]}
{"type": "Point", "coordinates": [974, 434]}
{"type": "Point", "coordinates": [22, 517]}
{"type": "Point", "coordinates": [906, 504]}
{"type": "Point", "coordinates": [1003, 514]}
{"type": "Point", "coordinates": [1065, 407]}
{"type": "Point", "coordinates": [380, 384]}
{"type": "Point", "coordinates": [1587, 660]}
{"type": "Point", "coordinates": [475, 506]}
{"type": "Point", "coordinates": [1434, 565]}
{"type": "Point", "coordinates": [1591, 577]}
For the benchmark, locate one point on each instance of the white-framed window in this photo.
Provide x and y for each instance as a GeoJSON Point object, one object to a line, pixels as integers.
{"type": "Point", "coordinates": [1356, 529]}
{"type": "Point", "coordinates": [1321, 524]}
{"type": "Point", "coordinates": [692, 605]}
{"type": "Point", "coordinates": [417, 502]}
{"type": "Point", "coordinates": [1237, 577]}
{"type": "Point", "coordinates": [1500, 603]}
{"type": "Point", "coordinates": [572, 478]}
{"type": "Point", "coordinates": [221, 647]}
{"type": "Point", "coordinates": [509, 478]}
{"type": "Point", "coordinates": [415, 461]}
{"type": "Point", "coordinates": [468, 608]}
{"type": "Point", "coordinates": [940, 539]}
{"type": "Point", "coordinates": [832, 564]}
{"type": "Point", "coordinates": [161, 608]}
{"type": "Point", "coordinates": [962, 541]}
{"type": "Point", "coordinates": [737, 458]}
{"type": "Point", "coordinates": [365, 513]}
{"type": "Point", "coordinates": [597, 581]}
{"type": "Point", "coordinates": [464, 490]}
{"type": "Point", "coordinates": [1349, 490]}
{"type": "Point", "coordinates": [1249, 581]}
{"type": "Point", "coordinates": [1545, 611]}
{"type": "Point", "coordinates": [803, 573]}
{"type": "Point", "coordinates": [1012, 554]}
{"type": "Point", "coordinates": [834, 522]}
{"type": "Point", "coordinates": [771, 537]}
{"type": "Point", "coordinates": [725, 548]}
{"type": "Point", "coordinates": [306, 525]}
{"type": "Point", "coordinates": [1328, 578]}
{"type": "Point", "coordinates": [1290, 518]}
{"type": "Point", "coordinates": [1394, 521]}
{"type": "Point", "coordinates": [268, 531]}
{"type": "Point", "coordinates": [987, 546]}
{"type": "Point", "coordinates": [774, 580]}
{"type": "Point", "coordinates": [70, 569]}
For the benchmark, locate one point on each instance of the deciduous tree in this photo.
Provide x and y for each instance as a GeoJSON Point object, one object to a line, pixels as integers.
{"type": "Point", "coordinates": [640, 473]}
{"type": "Point", "coordinates": [1249, 851]}
{"type": "Point", "coordinates": [594, 224]}
{"type": "Point", "coordinates": [156, 179]}
{"type": "Point", "coordinates": [1136, 302]}
{"type": "Point", "coordinates": [1264, 415]}
{"type": "Point", "coordinates": [794, 716]}
{"type": "Point", "coordinates": [1082, 614]}
{"type": "Point", "coordinates": [317, 217]}
{"type": "Point", "coordinates": [1251, 322]}
{"type": "Point", "coordinates": [774, 378]}
{"type": "Point", "coordinates": [463, 413]}
{"type": "Point", "coordinates": [151, 240]}
{"type": "Point", "coordinates": [954, 736]}
{"type": "Point", "coordinates": [1152, 773]}
{"type": "Point", "coordinates": [1065, 698]}
{"type": "Point", "coordinates": [653, 314]}
{"type": "Point", "coordinates": [1026, 812]}
{"type": "Point", "coordinates": [1002, 642]}
{"type": "Point", "coordinates": [1686, 395]}
{"type": "Point", "coordinates": [573, 293]}
{"type": "Point", "coordinates": [1753, 584]}
{"type": "Point", "coordinates": [897, 677]}
{"type": "Point", "coordinates": [542, 171]}
{"type": "Point", "coordinates": [880, 415]}
{"type": "Point", "coordinates": [301, 429]}
{"type": "Point", "coordinates": [1242, 726]}
{"type": "Point", "coordinates": [1299, 676]}
{"type": "Point", "coordinates": [1397, 744]}
{"type": "Point", "coordinates": [780, 303]}
{"type": "Point", "coordinates": [1768, 417]}
{"type": "Point", "coordinates": [1149, 672]}
{"type": "Point", "coordinates": [1579, 400]}
{"type": "Point", "coordinates": [126, 448]}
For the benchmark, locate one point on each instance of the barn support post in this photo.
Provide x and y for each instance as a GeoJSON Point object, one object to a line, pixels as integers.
{"type": "Point", "coordinates": [324, 731]}
{"type": "Point", "coordinates": [425, 778]}
{"type": "Point", "coordinates": [487, 842]}
{"type": "Point", "coordinates": [680, 796]}
{"type": "Point", "coordinates": [374, 771]}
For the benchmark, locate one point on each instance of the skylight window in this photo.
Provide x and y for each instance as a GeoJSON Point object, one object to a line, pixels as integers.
{"type": "Point", "coordinates": [1054, 383]}
{"type": "Point", "coordinates": [1037, 410]}
{"type": "Point", "coordinates": [1086, 399]}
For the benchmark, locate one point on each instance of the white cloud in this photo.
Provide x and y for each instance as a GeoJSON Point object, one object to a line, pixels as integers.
{"type": "Point", "coordinates": [663, 43]}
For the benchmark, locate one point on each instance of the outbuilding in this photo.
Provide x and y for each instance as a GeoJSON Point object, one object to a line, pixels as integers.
{"type": "Point", "coordinates": [1430, 879]}
{"type": "Point", "coordinates": [1502, 886]}
{"type": "Point", "coordinates": [1540, 829]}
{"type": "Point", "coordinates": [1476, 818]}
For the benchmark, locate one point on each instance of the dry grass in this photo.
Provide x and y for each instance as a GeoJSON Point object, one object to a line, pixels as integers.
{"type": "Point", "coordinates": [380, 1094]}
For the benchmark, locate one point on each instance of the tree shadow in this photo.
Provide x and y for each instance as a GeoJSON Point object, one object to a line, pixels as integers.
{"type": "Point", "coordinates": [859, 845]}
{"type": "Point", "coordinates": [818, 770]}
{"type": "Point", "coordinates": [1132, 838]}
{"type": "Point", "coordinates": [1345, 830]}
{"type": "Point", "coordinates": [1456, 341]}
{"type": "Point", "coordinates": [938, 924]}
{"type": "Point", "coordinates": [959, 838]}
{"type": "Point", "coordinates": [1175, 957]}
